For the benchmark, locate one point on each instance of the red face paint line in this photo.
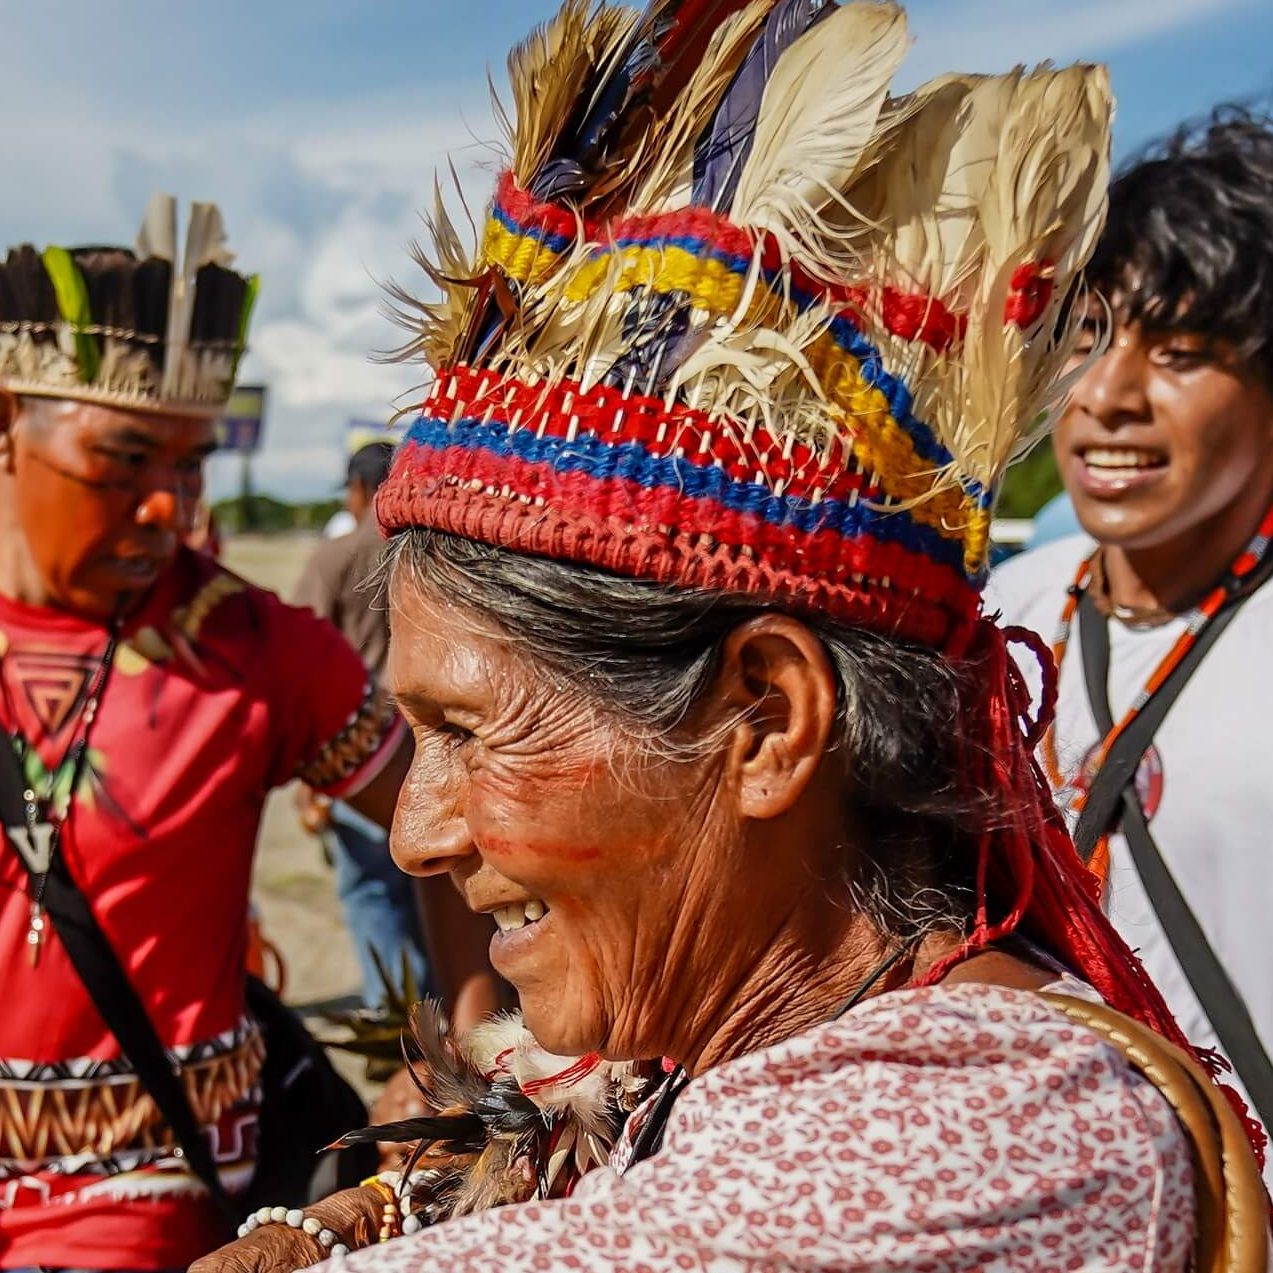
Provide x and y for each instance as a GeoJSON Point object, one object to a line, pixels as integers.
{"type": "Point", "coordinates": [563, 851]}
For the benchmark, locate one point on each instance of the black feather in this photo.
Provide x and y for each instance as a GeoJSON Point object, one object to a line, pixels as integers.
{"type": "Point", "coordinates": [722, 150]}
{"type": "Point", "coordinates": [108, 279]}
{"type": "Point", "coordinates": [218, 305]}
{"type": "Point", "coordinates": [29, 295]}
{"type": "Point", "coordinates": [463, 1133]}
{"type": "Point", "coordinates": [585, 140]}
{"type": "Point", "coordinates": [506, 1109]}
{"type": "Point", "coordinates": [152, 287]}
{"type": "Point", "coordinates": [653, 325]}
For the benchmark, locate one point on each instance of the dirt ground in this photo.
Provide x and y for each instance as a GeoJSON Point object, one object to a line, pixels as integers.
{"type": "Point", "coordinates": [293, 888]}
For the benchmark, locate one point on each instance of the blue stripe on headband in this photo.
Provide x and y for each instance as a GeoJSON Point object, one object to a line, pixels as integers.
{"type": "Point", "coordinates": [554, 242]}
{"type": "Point", "coordinates": [631, 461]}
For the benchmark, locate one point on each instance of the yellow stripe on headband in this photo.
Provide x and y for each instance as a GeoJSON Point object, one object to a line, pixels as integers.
{"type": "Point", "coordinates": [708, 283]}
{"type": "Point", "coordinates": [882, 447]}
{"type": "Point", "coordinates": [522, 257]}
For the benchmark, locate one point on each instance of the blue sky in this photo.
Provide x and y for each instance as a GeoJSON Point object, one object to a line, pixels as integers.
{"type": "Point", "coordinates": [318, 126]}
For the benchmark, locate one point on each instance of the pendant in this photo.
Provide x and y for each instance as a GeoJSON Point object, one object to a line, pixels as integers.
{"type": "Point", "coordinates": [35, 843]}
{"type": "Point", "coordinates": [35, 933]}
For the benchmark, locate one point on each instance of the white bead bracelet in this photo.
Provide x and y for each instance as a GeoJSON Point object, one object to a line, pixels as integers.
{"type": "Point", "coordinates": [294, 1218]}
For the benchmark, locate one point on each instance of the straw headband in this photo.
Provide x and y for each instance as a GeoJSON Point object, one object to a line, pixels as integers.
{"type": "Point", "coordinates": [146, 329]}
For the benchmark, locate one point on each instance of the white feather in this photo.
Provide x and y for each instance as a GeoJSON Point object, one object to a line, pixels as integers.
{"type": "Point", "coordinates": [808, 145]}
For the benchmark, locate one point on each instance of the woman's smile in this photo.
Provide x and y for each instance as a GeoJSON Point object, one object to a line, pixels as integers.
{"type": "Point", "coordinates": [518, 936]}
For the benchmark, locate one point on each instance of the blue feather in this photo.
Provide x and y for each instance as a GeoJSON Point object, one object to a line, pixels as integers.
{"type": "Point", "coordinates": [583, 144]}
{"type": "Point", "coordinates": [722, 150]}
{"type": "Point", "coordinates": [665, 46]}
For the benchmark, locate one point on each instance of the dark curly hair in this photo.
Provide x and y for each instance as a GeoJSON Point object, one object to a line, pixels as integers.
{"type": "Point", "coordinates": [1188, 245]}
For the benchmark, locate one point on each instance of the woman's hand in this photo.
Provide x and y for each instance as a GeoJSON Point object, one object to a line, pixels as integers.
{"type": "Point", "coordinates": [273, 1248]}
{"type": "Point", "coordinates": [353, 1214]}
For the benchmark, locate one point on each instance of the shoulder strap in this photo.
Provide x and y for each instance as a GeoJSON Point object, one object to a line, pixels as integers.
{"type": "Point", "coordinates": [98, 966]}
{"type": "Point", "coordinates": [1113, 791]}
{"type": "Point", "coordinates": [1231, 1216]}
{"type": "Point", "coordinates": [1210, 980]}
{"type": "Point", "coordinates": [1118, 772]}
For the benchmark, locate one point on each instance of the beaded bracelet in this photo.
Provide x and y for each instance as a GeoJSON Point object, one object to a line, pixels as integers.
{"type": "Point", "coordinates": [397, 1218]}
{"type": "Point", "coordinates": [296, 1219]}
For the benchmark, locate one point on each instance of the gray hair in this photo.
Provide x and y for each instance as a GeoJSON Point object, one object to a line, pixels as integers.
{"type": "Point", "coordinates": [644, 652]}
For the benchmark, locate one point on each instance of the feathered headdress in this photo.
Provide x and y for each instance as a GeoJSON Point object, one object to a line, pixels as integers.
{"type": "Point", "coordinates": [740, 319]}
{"type": "Point", "coordinates": [144, 329]}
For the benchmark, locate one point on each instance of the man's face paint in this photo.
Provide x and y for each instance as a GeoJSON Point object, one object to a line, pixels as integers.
{"type": "Point", "coordinates": [103, 498]}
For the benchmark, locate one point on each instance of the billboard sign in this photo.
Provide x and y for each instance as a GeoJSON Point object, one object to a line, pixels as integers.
{"type": "Point", "coordinates": [239, 428]}
{"type": "Point", "coordinates": [361, 432]}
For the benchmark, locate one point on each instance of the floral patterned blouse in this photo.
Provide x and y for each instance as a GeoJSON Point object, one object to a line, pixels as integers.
{"type": "Point", "coordinates": [955, 1128]}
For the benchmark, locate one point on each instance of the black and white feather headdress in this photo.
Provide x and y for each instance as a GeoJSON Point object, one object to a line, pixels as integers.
{"type": "Point", "coordinates": [150, 328]}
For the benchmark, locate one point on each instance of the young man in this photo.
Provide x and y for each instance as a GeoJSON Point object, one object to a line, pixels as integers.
{"type": "Point", "coordinates": [151, 700]}
{"type": "Point", "coordinates": [1166, 448]}
{"type": "Point", "coordinates": [378, 900]}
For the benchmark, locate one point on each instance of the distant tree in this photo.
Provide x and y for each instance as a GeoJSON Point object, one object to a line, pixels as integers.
{"type": "Point", "coordinates": [1030, 483]}
{"type": "Point", "coordinates": [270, 515]}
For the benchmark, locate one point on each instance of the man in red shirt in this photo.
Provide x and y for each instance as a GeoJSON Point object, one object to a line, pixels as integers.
{"type": "Point", "coordinates": [152, 699]}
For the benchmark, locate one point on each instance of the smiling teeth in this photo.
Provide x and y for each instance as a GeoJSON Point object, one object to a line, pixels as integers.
{"type": "Point", "coordinates": [510, 918]}
{"type": "Point", "coordinates": [1108, 458]}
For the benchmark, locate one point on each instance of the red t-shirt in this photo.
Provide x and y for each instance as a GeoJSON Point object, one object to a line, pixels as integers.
{"type": "Point", "coordinates": [219, 692]}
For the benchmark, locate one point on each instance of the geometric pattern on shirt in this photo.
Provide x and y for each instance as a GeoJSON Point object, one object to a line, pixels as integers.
{"type": "Point", "coordinates": [53, 683]}
{"type": "Point", "coordinates": [359, 740]}
{"type": "Point", "coordinates": [70, 1110]}
{"type": "Point", "coordinates": [87, 1068]}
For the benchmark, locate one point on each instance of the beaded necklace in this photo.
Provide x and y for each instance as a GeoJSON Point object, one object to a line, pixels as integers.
{"type": "Point", "coordinates": [44, 838]}
{"type": "Point", "coordinates": [1196, 620]}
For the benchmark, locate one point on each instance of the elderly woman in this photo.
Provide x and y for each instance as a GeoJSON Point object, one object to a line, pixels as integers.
{"type": "Point", "coordinates": [686, 549]}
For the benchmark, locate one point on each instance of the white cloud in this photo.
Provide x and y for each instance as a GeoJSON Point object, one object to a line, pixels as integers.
{"type": "Point", "coordinates": [321, 193]}
{"type": "Point", "coordinates": [322, 203]}
{"type": "Point", "coordinates": [991, 35]}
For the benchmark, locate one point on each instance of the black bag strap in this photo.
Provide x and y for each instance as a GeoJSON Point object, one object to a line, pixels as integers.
{"type": "Point", "coordinates": [1118, 772]}
{"type": "Point", "coordinates": [1115, 787]}
{"type": "Point", "coordinates": [98, 966]}
{"type": "Point", "coordinates": [1220, 998]}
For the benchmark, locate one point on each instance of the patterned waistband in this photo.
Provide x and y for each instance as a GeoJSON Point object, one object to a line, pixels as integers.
{"type": "Point", "coordinates": [80, 1115]}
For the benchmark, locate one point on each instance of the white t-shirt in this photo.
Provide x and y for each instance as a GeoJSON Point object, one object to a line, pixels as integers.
{"type": "Point", "coordinates": [1207, 785]}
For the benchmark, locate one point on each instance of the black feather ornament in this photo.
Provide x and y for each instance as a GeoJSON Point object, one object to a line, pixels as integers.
{"type": "Point", "coordinates": [510, 1121]}
{"type": "Point", "coordinates": [639, 86]}
{"type": "Point", "coordinates": [28, 296]}
{"type": "Point", "coordinates": [457, 1133]}
{"type": "Point", "coordinates": [218, 304]}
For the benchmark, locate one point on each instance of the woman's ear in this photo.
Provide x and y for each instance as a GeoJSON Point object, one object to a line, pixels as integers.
{"type": "Point", "coordinates": [777, 681]}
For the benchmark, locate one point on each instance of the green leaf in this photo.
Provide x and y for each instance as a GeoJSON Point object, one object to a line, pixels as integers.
{"type": "Point", "coordinates": [72, 304]}
{"type": "Point", "coordinates": [33, 769]}
{"type": "Point", "coordinates": [245, 319]}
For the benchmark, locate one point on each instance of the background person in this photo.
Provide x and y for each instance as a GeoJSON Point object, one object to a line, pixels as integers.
{"type": "Point", "coordinates": [338, 585]}
{"type": "Point", "coordinates": [151, 700]}
{"type": "Point", "coordinates": [1166, 450]}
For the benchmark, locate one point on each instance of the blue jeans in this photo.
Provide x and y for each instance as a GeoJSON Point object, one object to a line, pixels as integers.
{"type": "Point", "coordinates": [379, 904]}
